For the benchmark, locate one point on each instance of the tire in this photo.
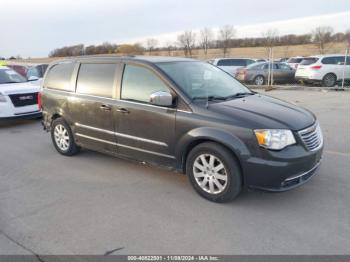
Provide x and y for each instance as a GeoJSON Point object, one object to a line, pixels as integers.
{"type": "Point", "coordinates": [205, 180]}
{"type": "Point", "coordinates": [329, 80]}
{"type": "Point", "coordinates": [62, 138]}
{"type": "Point", "coordinates": [259, 80]}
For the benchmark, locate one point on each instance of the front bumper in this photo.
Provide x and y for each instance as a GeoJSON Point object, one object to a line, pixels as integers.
{"type": "Point", "coordinates": [286, 170]}
{"type": "Point", "coordinates": [294, 181]}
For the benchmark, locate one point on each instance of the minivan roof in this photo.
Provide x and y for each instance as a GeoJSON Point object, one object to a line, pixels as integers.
{"type": "Point", "coordinates": [149, 59]}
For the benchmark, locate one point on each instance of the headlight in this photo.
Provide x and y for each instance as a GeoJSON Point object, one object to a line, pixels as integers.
{"type": "Point", "coordinates": [2, 98]}
{"type": "Point", "coordinates": [275, 139]}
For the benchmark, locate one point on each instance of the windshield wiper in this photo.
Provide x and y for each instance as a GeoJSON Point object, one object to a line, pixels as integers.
{"type": "Point", "coordinates": [238, 95]}
{"type": "Point", "coordinates": [209, 98]}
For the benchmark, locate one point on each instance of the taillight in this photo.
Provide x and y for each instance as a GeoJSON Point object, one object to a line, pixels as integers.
{"type": "Point", "coordinates": [242, 71]}
{"type": "Point", "coordinates": [316, 67]}
{"type": "Point", "coordinates": [39, 101]}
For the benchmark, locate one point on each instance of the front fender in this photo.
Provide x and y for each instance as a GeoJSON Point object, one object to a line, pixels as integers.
{"type": "Point", "coordinates": [210, 134]}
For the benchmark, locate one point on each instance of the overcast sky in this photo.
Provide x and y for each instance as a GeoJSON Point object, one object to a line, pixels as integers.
{"type": "Point", "coordinates": [35, 27]}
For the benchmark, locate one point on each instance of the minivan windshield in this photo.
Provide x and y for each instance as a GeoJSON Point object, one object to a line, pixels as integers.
{"type": "Point", "coordinates": [8, 76]}
{"type": "Point", "coordinates": [202, 80]}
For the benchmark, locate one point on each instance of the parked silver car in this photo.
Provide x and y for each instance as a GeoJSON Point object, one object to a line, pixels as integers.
{"type": "Point", "coordinates": [231, 65]}
{"type": "Point", "coordinates": [257, 73]}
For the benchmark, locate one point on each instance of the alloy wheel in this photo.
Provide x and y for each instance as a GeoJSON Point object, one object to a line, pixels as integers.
{"type": "Point", "coordinates": [210, 173]}
{"type": "Point", "coordinates": [61, 137]}
{"type": "Point", "coordinates": [259, 80]}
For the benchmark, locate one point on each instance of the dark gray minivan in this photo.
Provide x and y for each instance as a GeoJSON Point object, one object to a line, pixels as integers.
{"type": "Point", "coordinates": [184, 114]}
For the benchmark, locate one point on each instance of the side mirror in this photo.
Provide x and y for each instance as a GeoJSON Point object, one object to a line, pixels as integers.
{"type": "Point", "coordinates": [161, 98]}
{"type": "Point", "coordinates": [33, 78]}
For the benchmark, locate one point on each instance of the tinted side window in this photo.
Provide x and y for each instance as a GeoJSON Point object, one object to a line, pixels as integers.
{"type": "Point", "coordinates": [224, 62]}
{"type": "Point", "coordinates": [96, 79]}
{"type": "Point", "coordinates": [334, 60]}
{"type": "Point", "coordinates": [284, 67]}
{"type": "Point", "coordinates": [139, 83]}
{"type": "Point", "coordinates": [272, 66]}
{"type": "Point", "coordinates": [59, 77]}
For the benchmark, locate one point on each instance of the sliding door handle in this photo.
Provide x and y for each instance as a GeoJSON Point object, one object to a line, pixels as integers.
{"type": "Point", "coordinates": [122, 110]}
{"type": "Point", "coordinates": [105, 107]}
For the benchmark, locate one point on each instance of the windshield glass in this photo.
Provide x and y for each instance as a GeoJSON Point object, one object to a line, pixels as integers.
{"type": "Point", "coordinates": [9, 76]}
{"type": "Point", "coordinates": [201, 80]}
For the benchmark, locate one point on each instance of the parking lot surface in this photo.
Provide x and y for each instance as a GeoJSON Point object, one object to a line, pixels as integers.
{"type": "Point", "coordinates": [93, 203]}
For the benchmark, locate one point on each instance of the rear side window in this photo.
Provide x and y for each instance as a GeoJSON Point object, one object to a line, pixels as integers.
{"type": "Point", "coordinates": [139, 83]}
{"type": "Point", "coordinates": [96, 79]}
{"type": "Point", "coordinates": [272, 66]}
{"type": "Point", "coordinates": [295, 60]}
{"type": "Point", "coordinates": [59, 77]}
{"type": "Point", "coordinates": [234, 62]}
{"type": "Point", "coordinates": [309, 61]}
{"type": "Point", "coordinates": [333, 60]}
{"type": "Point", "coordinates": [284, 67]}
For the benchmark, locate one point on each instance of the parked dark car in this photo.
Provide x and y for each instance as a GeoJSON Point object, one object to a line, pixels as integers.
{"type": "Point", "coordinates": [184, 114]}
{"type": "Point", "coordinates": [257, 73]}
{"type": "Point", "coordinates": [22, 70]}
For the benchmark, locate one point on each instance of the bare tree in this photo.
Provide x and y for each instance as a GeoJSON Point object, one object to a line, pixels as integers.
{"type": "Point", "coordinates": [151, 43]}
{"type": "Point", "coordinates": [187, 41]}
{"type": "Point", "coordinates": [226, 34]}
{"type": "Point", "coordinates": [169, 47]}
{"type": "Point", "coordinates": [321, 36]}
{"type": "Point", "coordinates": [206, 36]}
{"type": "Point", "coordinates": [270, 38]}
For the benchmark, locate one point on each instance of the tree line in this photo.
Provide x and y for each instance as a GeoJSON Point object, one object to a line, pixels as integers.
{"type": "Point", "coordinates": [206, 39]}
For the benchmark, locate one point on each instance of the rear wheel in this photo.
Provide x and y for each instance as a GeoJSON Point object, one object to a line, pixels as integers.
{"type": "Point", "coordinates": [259, 80]}
{"type": "Point", "coordinates": [214, 172]}
{"type": "Point", "coordinates": [62, 138]}
{"type": "Point", "coordinates": [329, 80]}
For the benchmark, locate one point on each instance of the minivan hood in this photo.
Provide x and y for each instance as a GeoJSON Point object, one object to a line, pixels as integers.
{"type": "Point", "coordinates": [266, 112]}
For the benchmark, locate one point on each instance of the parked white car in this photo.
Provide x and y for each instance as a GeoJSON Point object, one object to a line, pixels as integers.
{"type": "Point", "coordinates": [231, 65]}
{"type": "Point", "coordinates": [294, 62]}
{"type": "Point", "coordinates": [325, 69]}
{"type": "Point", "coordinates": [19, 98]}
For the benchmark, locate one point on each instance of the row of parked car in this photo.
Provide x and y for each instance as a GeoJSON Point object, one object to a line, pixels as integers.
{"type": "Point", "coordinates": [327, 70]}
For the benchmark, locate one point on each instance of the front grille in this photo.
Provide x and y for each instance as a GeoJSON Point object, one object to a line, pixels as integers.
{"type": "Point", "coordinates": [28, 99]}
{"type": "Point", "coordinates": [312, 137]}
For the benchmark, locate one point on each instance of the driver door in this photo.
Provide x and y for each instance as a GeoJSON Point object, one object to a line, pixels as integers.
{"type": "Point", "coordinates": [144, 131]}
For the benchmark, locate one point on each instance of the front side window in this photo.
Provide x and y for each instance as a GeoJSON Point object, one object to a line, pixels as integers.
{"type": "Point", "coordinates": [201, 80]}
{"type": "Point", "coordinates": [8, 76]}
{"type": "Point", "coordinates": [96, 79]}
{"type": "Point", "coordinates": [139, 83]}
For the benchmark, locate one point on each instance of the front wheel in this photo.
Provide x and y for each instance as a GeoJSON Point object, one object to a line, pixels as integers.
{"type": "Point", "coordinates": [62, 138]}
{"type": "Point", "coordinates": [214, 172]}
